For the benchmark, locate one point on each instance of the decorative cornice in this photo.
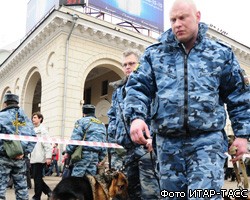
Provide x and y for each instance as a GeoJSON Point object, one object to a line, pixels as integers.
{"type": "Point", "coordinates": [62, 22]}
{"type": "Point", "coordinates": [92, 29]}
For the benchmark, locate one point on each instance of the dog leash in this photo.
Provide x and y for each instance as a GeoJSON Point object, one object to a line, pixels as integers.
{"type": "Point", "coordinates": [151, 155]}
{"type": "Point", "coordinates": [153, 167]}
{"type": "Point", "coordinates": [240, 182]}
{"type": "Point", "coordinates": [136, 159]}
{"type": "Point", "coordinates": [123, 167]}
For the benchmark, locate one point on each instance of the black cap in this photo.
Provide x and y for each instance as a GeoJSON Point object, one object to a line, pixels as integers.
{"type": "Point", "coordinates": [88, 109]}
{"type": "Point", "coordinates": [10, 97]}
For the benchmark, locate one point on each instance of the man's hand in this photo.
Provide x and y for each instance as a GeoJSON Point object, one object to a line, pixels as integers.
{"type": "Point", "coordinates": [48, 161]}
{"type": "Point", "coordinates": [241, 145]}
{"type": "Point", "coordinates": [19, 157]}
{"type": "Point", "coordinates": [66, 156]}
{"type": "Point", "coordinates": [138, 126]}
{"type": "Point", "coordinates": [149, 145]}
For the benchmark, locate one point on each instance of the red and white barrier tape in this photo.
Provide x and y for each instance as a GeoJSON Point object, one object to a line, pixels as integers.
{"type": "Point", "coordinates": [58, 140]}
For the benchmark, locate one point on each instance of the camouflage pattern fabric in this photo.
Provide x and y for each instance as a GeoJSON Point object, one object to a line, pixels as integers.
{"type": "Point", "coordinates": [140, 172]}
{"type": "Point", "coordinates": [187, 164]}
{"type": "Point", "coordinates": [190, 102]}
{"type": "Point", "coordinates": [17, 169]}
{"type": "Point", "coordinates": [88, 165]}
{"type": "Point", "coordinates": [186, 95]}
{"type": "Point", "coordinates": [95, 131]}
{"type": "Point", "coordinates": [116, 129]}
{"type": "Point", "coordinates": [9, 125]}
{"type": "Point", "coordinates": [12, 120]}
{"type": "Point", "coordinates": [117, 158]}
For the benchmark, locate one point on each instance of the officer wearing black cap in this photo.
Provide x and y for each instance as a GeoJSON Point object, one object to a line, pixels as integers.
{"type": "Point", "coordinates": [88, 109]}
{"type": "Point", "coordinates": [88, 128]}
{"type": "Point", "coordinates": [10, 99]}
{"type": "Point", "coordinates": [13, 120]}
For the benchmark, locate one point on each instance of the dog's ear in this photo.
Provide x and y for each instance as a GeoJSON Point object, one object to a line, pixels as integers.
{"type": "Point", "coordinates": [102, 166]}
{"type": "Point", "coordinates": [109, 175]}
{"type": "Point", "coordinates": [119, 186]}
{"type": "Point", "coordinates": [115, 175]}
{"type": "Point", "coordinates": [104, 161]}
{"type": "Point", "coordinates": [108, 178]}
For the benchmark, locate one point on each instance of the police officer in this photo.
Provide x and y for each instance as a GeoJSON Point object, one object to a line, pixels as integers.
{"type": "Point", "coordinates": [185, 80]}
{"type": "Point", "coordinates": [88, 128]}
{"type": "Point", "coordinates": [139, 164]}
{"type": "Point", "coordinates": [13, 120]}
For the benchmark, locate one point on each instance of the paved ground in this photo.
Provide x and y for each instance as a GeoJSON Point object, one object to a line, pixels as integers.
{"type": "Point", "coordinates": [52, 181]}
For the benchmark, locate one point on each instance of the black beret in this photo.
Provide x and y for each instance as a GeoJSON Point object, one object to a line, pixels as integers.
{"type": "Point", "coordinates": [88, 109]}
{"type": "Point", "coordinates": [10, 97]}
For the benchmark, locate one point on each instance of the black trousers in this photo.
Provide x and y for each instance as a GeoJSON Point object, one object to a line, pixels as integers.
{"type": "Point", "coordinates": [39, 184]}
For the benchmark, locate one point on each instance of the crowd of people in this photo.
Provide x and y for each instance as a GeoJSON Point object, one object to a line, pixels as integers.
{"type": "Point", "coordinates": [168, 113]}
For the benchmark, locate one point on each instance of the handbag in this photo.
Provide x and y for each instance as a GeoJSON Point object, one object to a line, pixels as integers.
{"type": "Point", "coordinates": [13, 148]}
{"type": "Point", "coordinates": [77, 154]}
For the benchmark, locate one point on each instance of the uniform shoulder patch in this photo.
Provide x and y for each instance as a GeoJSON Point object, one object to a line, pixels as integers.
{"type": "Point", "coordinates": [136, 68]}
{"type": "Point", "coordinates": [77, 124]}
{"type": "Point", "coordinates": [244, 77]}
{"type": "Point", "coordinates": [94, 120]}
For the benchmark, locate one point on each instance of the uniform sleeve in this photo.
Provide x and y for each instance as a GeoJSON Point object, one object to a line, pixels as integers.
{"type": "Point", "coordinates": [77, 134]}
{"type": "Point", "coordinates": [27, 130]}
{"type": "Point", "coordinates": [103, 151]}
{"type": "Point", "coordinates": [139, 90]}
{"type": "Point", "coordinates": [96, 133]}
{"type": "Point", "coordinates": [112, 119]}
{"type": "Point", "coordinates": [235, 92]}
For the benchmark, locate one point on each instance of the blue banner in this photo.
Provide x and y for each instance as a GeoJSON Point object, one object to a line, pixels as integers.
{"type": "Point", "coordinates": [148, 13]}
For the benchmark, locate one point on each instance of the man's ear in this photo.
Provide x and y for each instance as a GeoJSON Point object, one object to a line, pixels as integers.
{"type": "Point", "coordinates": [198, 16]}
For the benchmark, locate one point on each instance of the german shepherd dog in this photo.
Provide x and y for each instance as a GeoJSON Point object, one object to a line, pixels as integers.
{"type": "Point", "coordinates": [110, 185]}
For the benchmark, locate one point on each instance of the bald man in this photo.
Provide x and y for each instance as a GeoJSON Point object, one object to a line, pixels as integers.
{"type": "Point", "coordinates": [185, 80]}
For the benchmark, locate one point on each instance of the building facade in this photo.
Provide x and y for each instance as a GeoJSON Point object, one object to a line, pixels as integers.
{"type": "Point", "coordinates": [69, 59]}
